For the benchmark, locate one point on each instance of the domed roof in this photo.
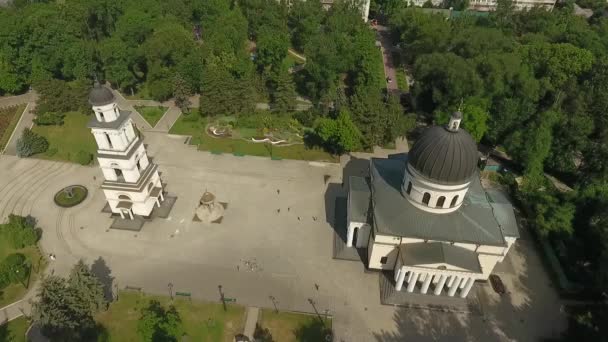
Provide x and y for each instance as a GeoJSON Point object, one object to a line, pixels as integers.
{"type": "Point", "coordinates": [444, 156]}
{"type": "Point", "coordinates": [100, 95]}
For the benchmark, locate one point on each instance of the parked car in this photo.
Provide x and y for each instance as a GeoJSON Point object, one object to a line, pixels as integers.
{"type": "Point", "coordinates": [497, 284]}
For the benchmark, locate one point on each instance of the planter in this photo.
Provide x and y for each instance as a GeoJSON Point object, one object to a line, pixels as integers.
{"type": "Point", "coordinates": [70, 196]}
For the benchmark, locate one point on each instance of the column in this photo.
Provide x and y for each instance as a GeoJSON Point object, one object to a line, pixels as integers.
{"type": "Point", "coordinates": [465, 292]}
{"type": "Point", "coordinates": [131, 214]}
{"type": "Point", "coordinates": [463, 282]}
{"type": "Point", "coordinates": [122, 216]}
{"type": "Point", "coordinates": [162, 197]}
{"type": "Point", "coordinates": [427, 283]}
{"type": "Point", "coordinates": [157, 202]}
{"type": "Point", "coordinates": [349, 237]}
{"type": "Point", "coordinates": [440, 284]}
{"type": "Point", "coordinates": [454, 286]}
{"type": "Point", "coordinates": [400, 279]}
{"type": "Point", "coordinates": [451, 280]}
{"type": "Point", "coordinates": [412, 283]}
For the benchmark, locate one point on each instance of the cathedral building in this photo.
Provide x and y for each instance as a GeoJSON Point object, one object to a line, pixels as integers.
{"type": "Point", "coordinates": [132, 185]}
{"type": "Point", "coordinates": [427, 218]}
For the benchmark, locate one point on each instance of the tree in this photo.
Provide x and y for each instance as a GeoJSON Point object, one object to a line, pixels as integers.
{"type": "Point", "coordinates": [339, 135]}
{"type": "Point", "coordinates": [284, 91]}
{"type": "Point", "coordinates": [181, 93]}
{"type": "Point", "coordinates": [60, 312]}
{"type": "Point", "coordinates": [272, 45]}
{"type": "Point", "coordinates": [31, 143]}
{"type": "Point", "coordinates": [474, 117]}
{"type": "Point", "coordinates": [88, 287]}
{"type": "Point", "coordinates": [21, 231]}
{"type": "Point", "coordinates": [262, 334]}
{"type": "Point", "coordinates": [14, 269]}
{"type": "Point", "coordinates": [159, 325]}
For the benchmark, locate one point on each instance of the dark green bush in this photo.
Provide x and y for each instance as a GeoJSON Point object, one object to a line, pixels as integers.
{"type": "Point", "coordinates": [31, 143]}
{"type": "Point", "coordinates": [49, 118]}
{"type": "Point", "coordinates": [83, 158]}
{"type": "Point", "coordinates": [13, 269]}
{"type": "Point", "coordinates": [21, 231]}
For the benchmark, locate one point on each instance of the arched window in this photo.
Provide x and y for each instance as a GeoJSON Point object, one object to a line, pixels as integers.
{"type": "Point", "coordinates": [440, 202]}
{"type": "Point", "coordinates": [124, 197]}
{"type": "Point", "coordinates": [101, 116]}
{"type": "Point", "coordinates": [409, 188]}
{"type": "Point", "coordinates": [108, 138]}
{"type": "Point", "coordinates": [454, 200]}
{"type": "Point", "coordinates": [426, 198]}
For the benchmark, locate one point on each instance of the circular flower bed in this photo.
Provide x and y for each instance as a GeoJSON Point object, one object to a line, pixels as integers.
{"type": "Point", "coordinates": [70, 196]}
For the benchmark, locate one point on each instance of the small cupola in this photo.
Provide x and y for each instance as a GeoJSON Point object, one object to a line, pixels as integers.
{"type": "Point", "coordinates": [454, 124]}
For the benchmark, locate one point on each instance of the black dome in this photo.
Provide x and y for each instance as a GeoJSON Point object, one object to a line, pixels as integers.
{"type": "Point", "coordinates": [100, 95]}
{"type": "Point", "coordinates": [443, 156]}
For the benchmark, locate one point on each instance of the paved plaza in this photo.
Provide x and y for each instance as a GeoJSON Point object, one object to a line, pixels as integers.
{"type": "Point", "coordinates": [275, 239]}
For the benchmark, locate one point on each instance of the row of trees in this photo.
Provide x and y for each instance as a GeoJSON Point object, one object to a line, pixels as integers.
{"type": "Point", "coordinates": [19, 232]}
{"type": "Point", "coordinates": [240, 59]}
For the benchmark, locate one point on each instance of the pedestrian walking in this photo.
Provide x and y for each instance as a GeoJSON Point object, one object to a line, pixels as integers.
{"type": "Point", "coordinates": [317, 286]}
{"type": "Point", "coordinates": [278, 191]}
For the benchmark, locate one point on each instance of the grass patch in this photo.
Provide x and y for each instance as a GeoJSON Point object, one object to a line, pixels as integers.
{"type": "Point", "coordinates": [67, 140]}
{"type": "Point", "coordinates": [151, 114]}
{"type": "Point", "coordinates": [195, 127]}
{"type": "Point", "coordinates": [402, 80]}
{"type": "Point", "coordinates": [293, 327]}
{"type": "Point", "coordinates": [14, 292]}
{"type": "Point", "coordinates": [79, 193]}
{"type": "Point", "coordinates": [9, 117]}
{"type": "Point", "coordinates": [141, 93]}
{"type": "Point", "coordinates": [14, 330]}
{"type": "Point", "coordinates": [201, 321]}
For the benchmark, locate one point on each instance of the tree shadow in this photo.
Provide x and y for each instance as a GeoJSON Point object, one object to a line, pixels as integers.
{"type": "Point", "coordinates": [101, 270]}
{"type": "Point", "coordinates": [5, 334]}
{"type": "Point", "coordinates": [313, 331]}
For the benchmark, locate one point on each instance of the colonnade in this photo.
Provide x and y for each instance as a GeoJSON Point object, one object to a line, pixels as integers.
{"type": "Point", "coordinates": [438, 279]}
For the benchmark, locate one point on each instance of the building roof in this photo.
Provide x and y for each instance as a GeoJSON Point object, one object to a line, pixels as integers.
{"type": "Point", "coordinates": [124, 115]}
{"type": "Point", "coordinates": [420, 254]}
{"type": "Point", "coordinates": [503, 211]}
{"type": "Point", "coordinates": [359, 196]}
{"type": "Point", "coordinates": [100, 95]}
{"type": "Point", "coordinates": [443, 156]}
{"type": "Point", "coordinates": [393, 214]}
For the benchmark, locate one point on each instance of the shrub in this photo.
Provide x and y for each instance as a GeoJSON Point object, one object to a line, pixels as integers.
{"type": "Point", "coordinates": [49, 118]}
{"type": "Point", "coordinates": [31, 143]}
{"type": "Point", "coordinates": [83, 158]}
{"type": "Point", "coordinates": [13, 269]}
{"type": "Point", "coordinates": [21, 231]}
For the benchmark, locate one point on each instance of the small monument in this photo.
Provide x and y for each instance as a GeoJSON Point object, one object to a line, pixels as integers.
{"type": "Point", "coordinates": [209, 210]}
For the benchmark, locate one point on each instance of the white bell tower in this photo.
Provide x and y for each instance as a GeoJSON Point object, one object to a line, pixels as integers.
{"type": "Point", "coordinates": [132, 184]}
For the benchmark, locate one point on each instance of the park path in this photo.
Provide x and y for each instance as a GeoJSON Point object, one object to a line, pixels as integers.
{"type": "Point", "coordinates": [125, 104]}
{"type": "Point", "coordinates": [252, 318]}
{"type": "Point", "coordinates": [26, 120]}
{"type": "Point", "coordinates": [389, 66]}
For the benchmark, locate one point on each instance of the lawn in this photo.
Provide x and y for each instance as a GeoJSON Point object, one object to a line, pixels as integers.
{"type": "Point", "coordinates": [151, 114]}
{"type": "Point", "coordinates": [9, 117]}
{"type": "Point", "coordinates": [14, 331]}
{"type": "Point", "coordinates": [201, 321]}
{"type": "Point", "coordinates": [189, 125]}
{"type": "Point", "coordinates": [293, 327]}
{"type": "Point", "coordinates": [14, 292]}
{"type": "Point", "coordinates": [67, 140]}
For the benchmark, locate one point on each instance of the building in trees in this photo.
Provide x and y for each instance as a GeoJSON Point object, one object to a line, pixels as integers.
{"type": "Point", "coordinates": [490, 5]}
{"type": "Point", "coordinates": [364, 4]}
{"type": "Point", "coordinates": [132, 184]}
{"type": "Point", "coordinates": [427, 218]}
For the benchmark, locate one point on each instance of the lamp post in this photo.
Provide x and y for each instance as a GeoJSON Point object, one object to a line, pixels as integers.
{"type": "Point", "coordinates": [170, 286]}
{"type": "Point", "coordinates": [222, 298]}
{"type": "Point", "coordinates": [274, 302]}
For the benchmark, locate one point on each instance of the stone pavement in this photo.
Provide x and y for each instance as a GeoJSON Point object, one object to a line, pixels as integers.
{"type": "Point", "coordinates": [26, 120]}
{"type": "Point", "coordinates": [279, 218]}
{"type": "Point", "coordinates": [387, 58]}
{"type": "Point", "coordinates": [125, 104]}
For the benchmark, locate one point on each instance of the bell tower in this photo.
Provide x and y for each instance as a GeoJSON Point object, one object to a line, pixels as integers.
{"type": "Point", "coordinates": [132, 185]}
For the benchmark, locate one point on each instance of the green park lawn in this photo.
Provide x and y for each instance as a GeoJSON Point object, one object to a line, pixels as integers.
{"type": "Point", "coordinates": [9, 117]}
{"type": "Point", "coordinates": [201, 321]}
{"type": "Point", "coordinates": [293, 327]}
{"type": "Point", "coordinates": [15, 292]}
{"type": "Point", "coordinates": [67, 140]}
{"type": "Point", "coordinates": [195, 127]}
{"type": "Point", "coordinates": [402, 80]}
{"type": "Point", "coordinates": [14, 331]}
{"type": "Point", "coordinates": [151, 114]}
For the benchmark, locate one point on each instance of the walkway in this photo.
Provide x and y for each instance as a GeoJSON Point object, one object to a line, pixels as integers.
{"type": "Point", "coordinates": [387, 57]}
{"type": "Point", "coordinates": [125, 104]}
{"type": "Point", "coordinates": [252, 320]}
{"type": "Point", "coordinates": [26, 120]}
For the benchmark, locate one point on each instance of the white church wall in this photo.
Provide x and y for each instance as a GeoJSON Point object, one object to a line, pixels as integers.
{"type": "Point", "coordinates": [351, 231]}
{"type": "Point", "coordinates": [421, 186]}
{"type": "Point", "coordinates": [109, 174]}
{"type": "Point", "coordinates": [109, 112]}
{"type": "Point", "coordinates": [380, 251]}
{"type": "Point", "coordinates": [131, 176]}
{"type": "Point", "coordinates": [388, 239]}
{"type": "Point", "coordinates": [487, 263]}
{"type": "Point", "coordinates": [491, 249]}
